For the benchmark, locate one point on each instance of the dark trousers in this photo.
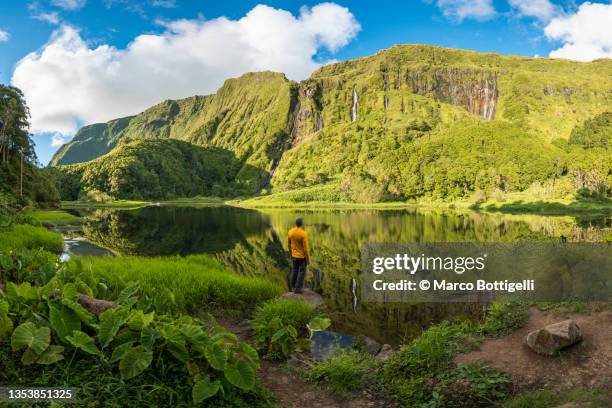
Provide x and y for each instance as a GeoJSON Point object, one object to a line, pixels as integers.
{"type": "Point", "coordinates": [298, 274]}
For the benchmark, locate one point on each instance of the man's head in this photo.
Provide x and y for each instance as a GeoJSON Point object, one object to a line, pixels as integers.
{"type": "Point", "coordinates": [299, 222]}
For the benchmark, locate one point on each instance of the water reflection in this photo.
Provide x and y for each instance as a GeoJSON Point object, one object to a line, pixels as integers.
{"type": "Point", "coordinates": [253, 243]}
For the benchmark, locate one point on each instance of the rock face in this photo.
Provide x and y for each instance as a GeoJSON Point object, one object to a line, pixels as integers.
{"type": "Point", "coordinates": [554, 337]}
{"type": "Point", "coordinates": [474, 90]}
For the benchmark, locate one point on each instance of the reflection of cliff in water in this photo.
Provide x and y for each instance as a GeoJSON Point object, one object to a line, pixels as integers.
{"type": "Point", "coordinates": [170, 230]}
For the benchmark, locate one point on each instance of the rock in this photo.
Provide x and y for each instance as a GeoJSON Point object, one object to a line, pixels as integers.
{"type": "Point", "coordinates": [326, 344]}
{"type": "Point", "coordinates": [385, 352]}
{"type": "Point", "coordinates": [554, 337]}
{"type": "Point", "coordinates": [370, 346]}
{"type": "Point", "coordinates": [307, 296]}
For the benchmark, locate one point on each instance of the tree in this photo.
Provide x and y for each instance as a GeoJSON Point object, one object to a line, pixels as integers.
{"type": "Point", "coordinates": [14, 123]}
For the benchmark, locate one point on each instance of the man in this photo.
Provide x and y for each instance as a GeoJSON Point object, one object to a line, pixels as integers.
{"type": "Point", "coordinates": [298, 251]}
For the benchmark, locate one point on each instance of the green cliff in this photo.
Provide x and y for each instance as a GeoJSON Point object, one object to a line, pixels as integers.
{"type": "Point", "coordinates": [409, 121]}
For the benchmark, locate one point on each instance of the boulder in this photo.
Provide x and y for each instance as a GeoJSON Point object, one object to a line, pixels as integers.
{"type": "Point", "coordinates": [370, 346]}
{"type": "Point", "coordinates": [307, 296]}
{"type": "Point", "coordinates": [554, 337]}
{"type": "Point", "coordinates": [385, 352]}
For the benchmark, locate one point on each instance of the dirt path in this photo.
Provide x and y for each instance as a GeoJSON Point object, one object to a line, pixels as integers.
{"type": "Point", "coordinates": [585, 365]}
{"type": "Point", "coordinates": [289, 387]}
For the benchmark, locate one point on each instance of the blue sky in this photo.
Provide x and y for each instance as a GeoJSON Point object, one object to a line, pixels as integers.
{"type": "Point", "coordinates": [85, 49]}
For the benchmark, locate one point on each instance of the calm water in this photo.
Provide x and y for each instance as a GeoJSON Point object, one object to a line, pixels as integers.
{"type": "Point", "coordinates": [252, 243]}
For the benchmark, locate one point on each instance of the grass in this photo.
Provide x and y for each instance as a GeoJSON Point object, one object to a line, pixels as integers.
{"type": "Point", "coordinates": [194, 202]}
{"type": "Point", "coordinates": [105, 204]}
{"type": "Point", "coordinates": [196, 282]}
{"type": "Point", "coordinates": [551, 398]}
{"type": "Point", "coordinates": [31, 237]}
{"type": "Point", "coordinates": [557, 207]}
{"type": "Point", "coordinates": [52, 217]}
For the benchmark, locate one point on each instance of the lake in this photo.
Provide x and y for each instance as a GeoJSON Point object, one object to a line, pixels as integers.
{"type": "Point", "coordinates": [253, 242]}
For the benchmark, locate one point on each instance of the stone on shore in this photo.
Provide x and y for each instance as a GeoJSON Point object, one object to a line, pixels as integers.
{"type": "Point", "coordinates": [307, 296]}
{"type": "Point", "coordinates": [385, 352]}
{"type": "Point", "coordinates": [554, 337]}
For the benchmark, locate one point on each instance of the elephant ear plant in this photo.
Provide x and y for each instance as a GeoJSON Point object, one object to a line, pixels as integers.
{"type": "Point", "coordinates": [47, 317]}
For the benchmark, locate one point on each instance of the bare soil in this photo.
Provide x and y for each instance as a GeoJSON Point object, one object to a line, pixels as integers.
{"type": "Point", "coordinates": [585, 365]}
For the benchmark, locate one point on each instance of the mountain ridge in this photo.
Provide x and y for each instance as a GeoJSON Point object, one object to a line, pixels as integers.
{"type": "Point", "coordinates": [282, 130]}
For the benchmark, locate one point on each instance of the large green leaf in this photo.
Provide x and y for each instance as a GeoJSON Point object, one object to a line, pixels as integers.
{"type": "Point", "coordinates": [85, 315]}
{"type": "Point", "coordinates": [63, 320]}
{"type": "Point", "coordinates": [69, 291]}
{"type": "Point", "coordinates": [6, 327]}
{"type": "Point", "coordinates": [84, 342]}
{"type": "Point", "coordinates": [126, 297]}
{"type": "Point", "coordinates": [23, 291]}
{"type": "Point", "coordinates": [110, 323]}
{"type": "Point", "coordinates": [148, 337]}
{"type": "Point", "coordinates": [135, 361]}
{"type": "Point", "coordinates": [319, 323]}
{"type": "Point", "coordinates": [120, 351]}
{"type": "Point", "coordinates": [241, 374]}
{"type": "Point", "coordinates": [250, 352]}
{"type": "Point", "coordinates": [173, 336]}
{"type": "Point", "coordinates": [195, 334]}
{"type": "Point", "coordinates": [29, 357]}
{"type": "Point", "coordinates": [164, 301]}
{"type": "Point", "coordinates": [139, 320]}
{"type": "Point", "coordinates": [204, 389]}
{"type": "Point", "coordinates": [27, 335]}
{"type": "Point", "coordinates": [51, 355]}
{"type": "Point", "coordinates": [4, 307]}
{"type": "Point", "coordinates": [216, 355]}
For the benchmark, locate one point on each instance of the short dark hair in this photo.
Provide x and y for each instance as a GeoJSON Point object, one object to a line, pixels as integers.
{"type": "Point", "coordinates": [299, 222]}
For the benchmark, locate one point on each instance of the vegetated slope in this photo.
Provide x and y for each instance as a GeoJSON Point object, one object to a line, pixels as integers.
{"type": "Point", "coordinates": [248, 116]}
{"type": "Point", "coordinates": [409, 121]}
{"type": "Point", "coordinates": [416, 121]}
{"type": "Point", "coordinates": [152, 169]}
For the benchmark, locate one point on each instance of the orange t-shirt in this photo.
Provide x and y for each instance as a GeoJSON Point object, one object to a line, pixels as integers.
{"type": "Point", "coordinates": [298, 242]}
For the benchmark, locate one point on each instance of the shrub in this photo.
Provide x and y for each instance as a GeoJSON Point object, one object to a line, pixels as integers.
{"type": "Point", "coordinates": [503, 318]}
{"type": "Point", "coordinates": [344, 372]}
{"type": "Point", "coordinates": [279, 323]}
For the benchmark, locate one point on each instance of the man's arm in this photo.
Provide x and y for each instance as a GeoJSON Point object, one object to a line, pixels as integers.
{"type": "Point", "coordinates": [289, 246]}
{"type": "Point", "coordinates": [306, 250]}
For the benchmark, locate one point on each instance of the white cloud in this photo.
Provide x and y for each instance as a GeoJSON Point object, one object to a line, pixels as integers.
{"type": "Point", "coordinates": [4, 36]}
{"type": "Point", "coordinates": [164, 3]}
{"type": "Point", "coordinates": [52, 17]}
{"type": "Point", "coordinates": [58, 139]}
{"type": "Point", "coordinates": [459, 10]}
{"type": "Point", "coordinates": [543, 10]}
{"type": "Point", "coordinates": [69, 4]}
{"type": "Point", "coordinates": [67, 82]}
{"type": "Point", "coordinates": [586, 34]}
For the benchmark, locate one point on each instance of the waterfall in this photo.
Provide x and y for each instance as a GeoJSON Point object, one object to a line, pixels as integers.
{"type": "Point", "coordinates": [353, 287]}
{"type": "Point", "coordinates": [386, 102]}
{"type": "Point", "coordinates": [354, 108]}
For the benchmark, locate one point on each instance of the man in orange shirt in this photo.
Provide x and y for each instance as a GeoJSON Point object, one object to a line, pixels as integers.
{"type": "Point", "coordinates": [298, 251]}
